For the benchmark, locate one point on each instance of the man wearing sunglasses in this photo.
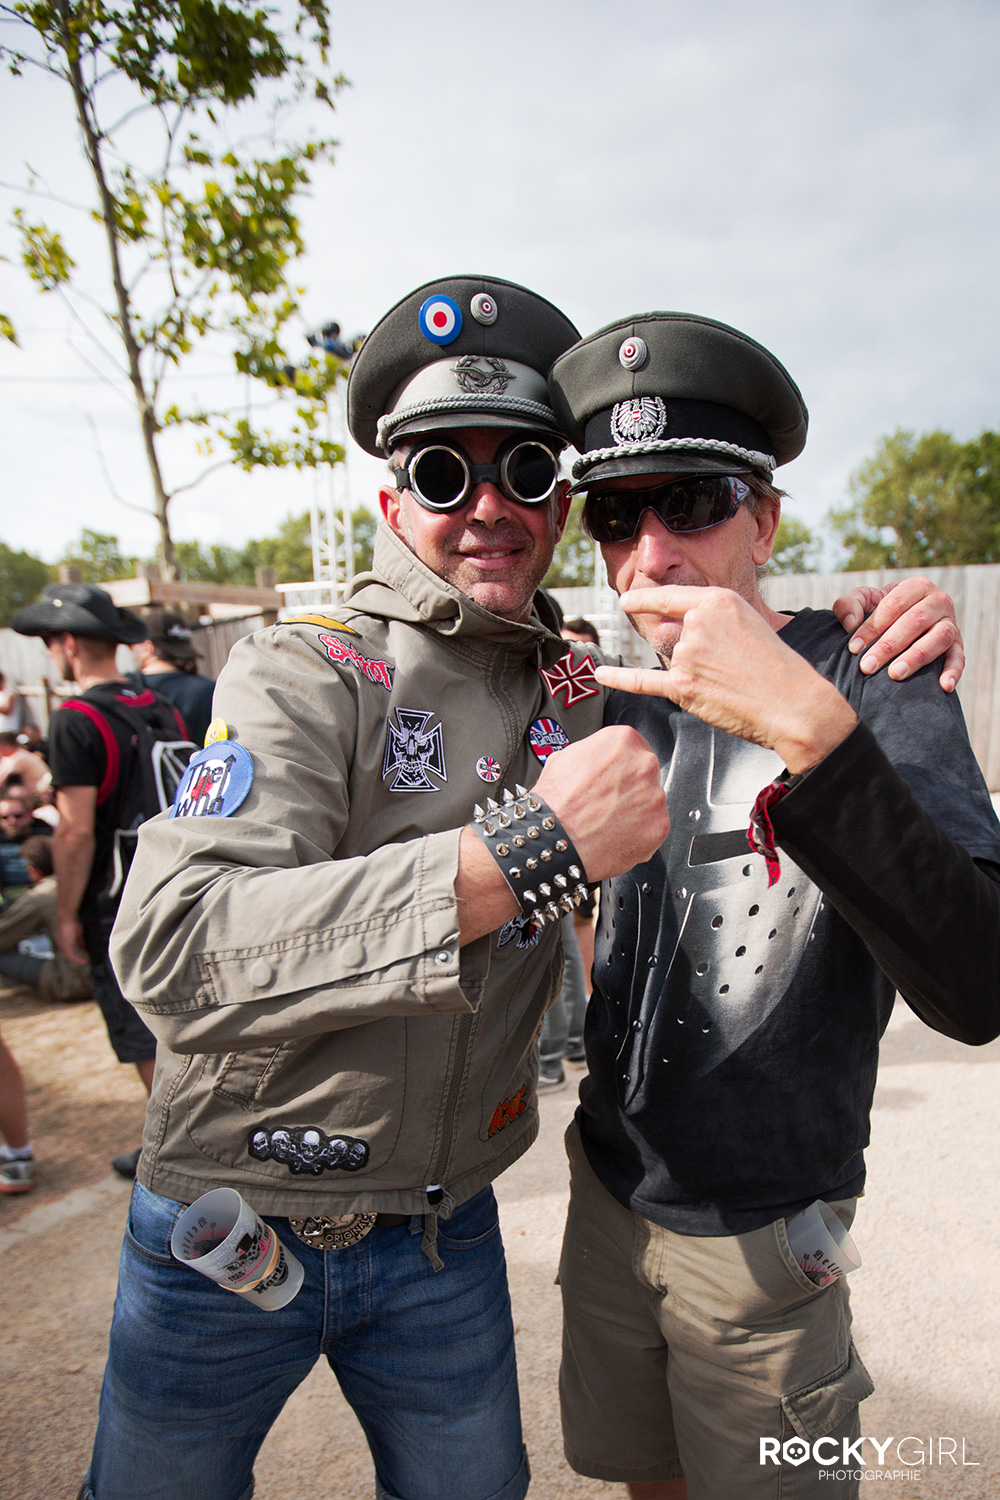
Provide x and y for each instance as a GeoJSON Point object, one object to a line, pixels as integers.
{"type": "Point", "coordinates": [741, 985]}
{"type": "Point", "coordinates": [326, 939]}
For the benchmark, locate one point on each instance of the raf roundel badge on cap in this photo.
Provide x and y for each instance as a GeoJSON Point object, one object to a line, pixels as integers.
{"type": "Point", "coordinates": [633, 353]}
{"type": "Point", "coordinates": [440, 319]}
{"type": "Point", "coordinates": [483, 308]}
{"type": "Point", "coordinates": [215, 783]}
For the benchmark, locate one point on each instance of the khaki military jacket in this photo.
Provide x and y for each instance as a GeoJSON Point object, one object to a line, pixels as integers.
{"type": "Point", "coordinates": [324, 1045]}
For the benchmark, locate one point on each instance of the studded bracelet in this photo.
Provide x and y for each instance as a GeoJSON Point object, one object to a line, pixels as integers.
{"type": "Point", "coordinates": [534, 852]}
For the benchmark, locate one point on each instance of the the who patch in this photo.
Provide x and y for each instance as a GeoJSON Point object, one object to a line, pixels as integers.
{"type": "Point", "coordinates": [488, 768]}
{"type": "Point", "coordinates": [546, 736]}
{"type": "Point", "coordinates": [412, 751]}
{"type": "Point", "coordinates": [215, 783]}
{"type": "Point", "coordinates": [440, 319]}
{"type": "Point", "coordinates": [307, 1148]}
{"type": "Point", "coordinates": [375, 671]}
{"type": "Point", "coordinates": [576, 679]}
{"type": "Point", "coordinates": [522, 927]}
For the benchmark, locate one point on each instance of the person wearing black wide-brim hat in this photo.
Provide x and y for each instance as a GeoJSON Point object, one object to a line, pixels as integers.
{"type": "Point", "coordinates": [832, 840]}
{"type": "Point", "coordinates": [92, 755]}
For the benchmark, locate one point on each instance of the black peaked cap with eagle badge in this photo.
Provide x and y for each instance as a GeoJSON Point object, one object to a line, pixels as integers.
{"type": "Point", "coordinates": [462, 351]}
{"type": "Point", "coordinates": [670, 390]}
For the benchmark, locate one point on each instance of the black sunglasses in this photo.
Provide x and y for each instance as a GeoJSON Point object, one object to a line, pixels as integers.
{"type": "Point", "coordinates": [693, 503]}
{"type": "Point", "coordinates": [441, 477]}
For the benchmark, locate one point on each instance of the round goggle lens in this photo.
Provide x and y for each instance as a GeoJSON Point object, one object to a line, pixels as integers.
{"type": "Point", "coordinates": [439, 476]}
{"type": "Point", "coordinates": [530, 472]}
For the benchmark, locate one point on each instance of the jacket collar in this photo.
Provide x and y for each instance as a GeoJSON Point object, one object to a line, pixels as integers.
{"type": "Point", "coordinates": [401, 587]}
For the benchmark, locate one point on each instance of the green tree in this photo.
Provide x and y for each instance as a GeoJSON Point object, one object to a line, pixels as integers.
{"type": "Point", "coordinates": [22, 578]}
{"type": "Point", "coordinates": [98, 557]}
{"type": "Point", "coordinates": [289, 553]}
{"type": "Point", "coordinates": [796, 548]}
{"type": "Point", "coordinates": [199, 243]}
{"type": "Point", "coordinates": [923, 499]}
{"type": "Point", "coordinates": [573, 560]}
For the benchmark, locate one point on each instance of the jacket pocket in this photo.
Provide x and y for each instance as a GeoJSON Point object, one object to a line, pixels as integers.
{"type": "Point", "coordinates": [827, 1403]}
{"type": "Point", "coordinates": [327, 1108]}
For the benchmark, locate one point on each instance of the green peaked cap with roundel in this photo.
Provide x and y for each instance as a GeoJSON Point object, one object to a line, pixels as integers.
{"type": "Point", "coordinates": [462, 351]}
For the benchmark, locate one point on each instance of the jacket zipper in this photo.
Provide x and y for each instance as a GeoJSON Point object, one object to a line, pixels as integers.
{"type": "Point", "coordinates": [451, 1103]}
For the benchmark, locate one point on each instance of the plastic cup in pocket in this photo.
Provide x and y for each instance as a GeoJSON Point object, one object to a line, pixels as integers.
{"type": "Point", "coordinates": [821, 1244]}
{"type": "Point", "coordinates": [221, 1236]}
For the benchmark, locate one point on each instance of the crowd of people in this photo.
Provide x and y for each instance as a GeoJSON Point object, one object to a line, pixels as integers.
{"type": "Point", "coordinates": [344, 942]}
{"type": "Point", "coordinates": [68, 805]}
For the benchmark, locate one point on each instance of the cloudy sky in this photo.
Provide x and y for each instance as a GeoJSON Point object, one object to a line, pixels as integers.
{"type": "Point", "coordinates": [823, 177]}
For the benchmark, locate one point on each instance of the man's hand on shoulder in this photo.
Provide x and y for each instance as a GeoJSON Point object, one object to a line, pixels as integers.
{"type": "Point", "coordinates": [732, 670]}
{"type": "Point", "coordinates": [905, 626]}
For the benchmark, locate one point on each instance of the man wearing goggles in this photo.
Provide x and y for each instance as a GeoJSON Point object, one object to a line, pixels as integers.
{"type": "Point", "coordinates": [345, 954]}
{"type": "Point", "coordinates": [742, 980]}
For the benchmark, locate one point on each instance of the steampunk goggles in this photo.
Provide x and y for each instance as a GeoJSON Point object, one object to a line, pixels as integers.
{"type": "Point", "coordinates": [693, 503]}
{"type": "Point", "coordinates": [440, 477]}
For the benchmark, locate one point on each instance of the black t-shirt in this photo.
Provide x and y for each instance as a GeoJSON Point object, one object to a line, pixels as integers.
{"type": "Point", "coordinates": [191, 694]}
{"type": "Point", "coordinates": [81, 753]}
{"type": "Point", "coordinates": [734, 1029]}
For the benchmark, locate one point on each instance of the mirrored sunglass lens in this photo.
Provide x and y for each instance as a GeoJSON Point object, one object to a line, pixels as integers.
{"type": "Point", "coordinates": [682, 505]}
{"type": "Point", "coordinates": [438, 475]}
{"type": "Point", "coordinates": [531, 471]}
{"type": "Point", "coordinates": [695, 504]}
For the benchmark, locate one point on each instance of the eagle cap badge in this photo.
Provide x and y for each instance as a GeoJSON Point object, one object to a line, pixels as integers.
{"type": "Point", "coordinates": [640, 419]}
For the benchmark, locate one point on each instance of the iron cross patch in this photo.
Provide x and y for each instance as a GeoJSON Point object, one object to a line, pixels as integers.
{"type": "Point", "coordinates": [578, 680]}
{"type": "Point", "coordinates": [412, 750]}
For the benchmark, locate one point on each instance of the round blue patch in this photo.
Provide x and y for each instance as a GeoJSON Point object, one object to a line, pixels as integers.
{"type": "Point", "coordinates": [440, 319]}
{"type": "Point", "coordinates": [215, 783]}
{"type": "Point", "coordinates": [546, 736]}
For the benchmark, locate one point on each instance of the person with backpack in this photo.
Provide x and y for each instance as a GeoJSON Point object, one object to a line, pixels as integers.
{"type": "Point", "coordinates": [115, 753]}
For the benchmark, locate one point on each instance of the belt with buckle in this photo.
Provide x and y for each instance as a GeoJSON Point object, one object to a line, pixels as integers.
{"type": "Point", "coordinates": [337, 1231]}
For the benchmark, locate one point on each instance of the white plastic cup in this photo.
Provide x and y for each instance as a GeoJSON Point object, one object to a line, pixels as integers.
{"type": "Point", "coordinates": [821, 1245]}
{"type": "Point", "coordinates": [222, 1237]}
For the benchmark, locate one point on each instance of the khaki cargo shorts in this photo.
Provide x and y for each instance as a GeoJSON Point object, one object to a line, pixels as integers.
{"type": "Point", "coordinates": [680, 1353]}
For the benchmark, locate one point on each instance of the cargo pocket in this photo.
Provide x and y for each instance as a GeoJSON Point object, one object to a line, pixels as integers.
{"type": "Point", "coordinates": [828, 1403]}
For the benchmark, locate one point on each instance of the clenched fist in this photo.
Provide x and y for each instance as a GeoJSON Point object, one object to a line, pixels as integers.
{"type": "Point", "coordinates": [606, 792]}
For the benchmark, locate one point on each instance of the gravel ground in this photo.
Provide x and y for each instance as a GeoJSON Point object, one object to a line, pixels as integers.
{"type": "Point", "coordinates": [927, 1318]}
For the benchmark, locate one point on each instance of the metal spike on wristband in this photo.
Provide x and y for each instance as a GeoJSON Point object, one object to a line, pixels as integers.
{"type": "Point", "coordinates": [523, 820]}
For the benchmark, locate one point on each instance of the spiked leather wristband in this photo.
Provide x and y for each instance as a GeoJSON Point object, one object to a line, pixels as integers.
{"type": "Point", "coordinates": [534, 852]}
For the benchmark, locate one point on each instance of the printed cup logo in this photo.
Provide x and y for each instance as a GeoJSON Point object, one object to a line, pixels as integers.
{"type": "Point", "coordinates": [222, 1237]}
{"type": "Point", "coordinates": [821, 1245]}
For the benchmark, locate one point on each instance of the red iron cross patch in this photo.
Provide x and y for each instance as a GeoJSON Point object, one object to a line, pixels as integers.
{"type": "Point", "coordinates": [508, 1110]}
{"type": "Point", "coordinates": [578, 680]}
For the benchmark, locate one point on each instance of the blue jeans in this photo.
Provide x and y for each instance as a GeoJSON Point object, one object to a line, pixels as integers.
{"type": "Point", "coordinates": [196, 1375]}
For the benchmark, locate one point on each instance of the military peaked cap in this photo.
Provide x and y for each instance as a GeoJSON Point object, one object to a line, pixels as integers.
{"type": "Point", "coordinates": [463, 351]}
{"type": "Point", "coordinates": [669, 390]}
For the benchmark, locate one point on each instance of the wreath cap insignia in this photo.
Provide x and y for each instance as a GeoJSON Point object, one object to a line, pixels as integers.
{"type": "Point", "coordinates": [482, 375]}
{"type": "Point", "coordinates": [641, 419]}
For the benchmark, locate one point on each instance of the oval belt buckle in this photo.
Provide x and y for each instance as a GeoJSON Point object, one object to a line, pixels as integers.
{"type": "Point", "coordinates": [324, 1232]}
